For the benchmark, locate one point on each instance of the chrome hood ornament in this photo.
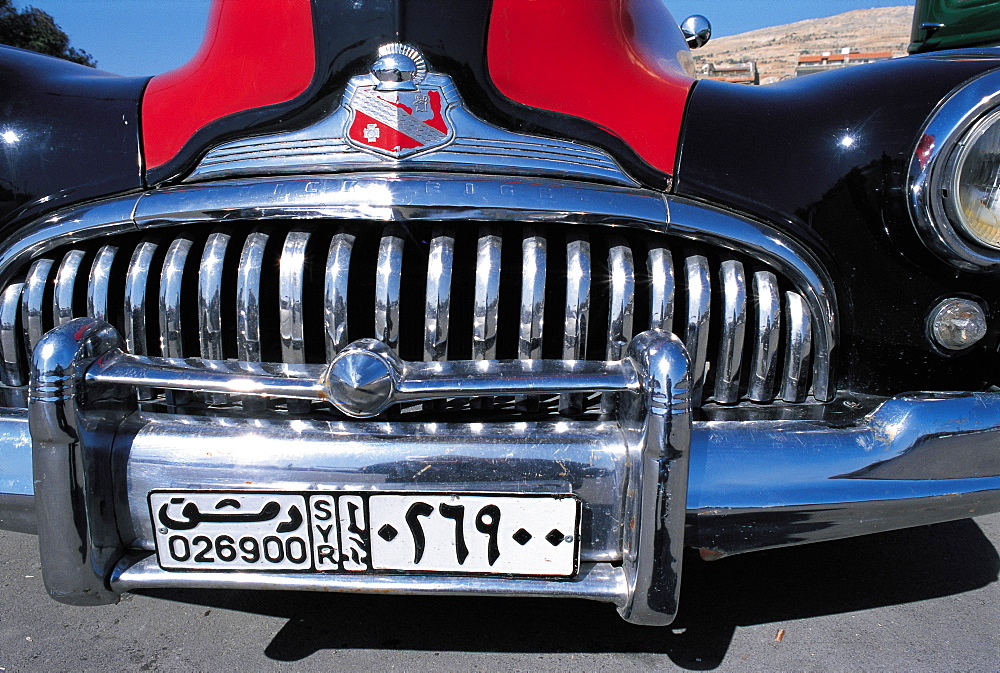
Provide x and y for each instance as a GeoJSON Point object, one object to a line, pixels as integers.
{"type": "Point", "coordinates": [403, 113]}
{"type": "Point", "coordinates": [399, 109]}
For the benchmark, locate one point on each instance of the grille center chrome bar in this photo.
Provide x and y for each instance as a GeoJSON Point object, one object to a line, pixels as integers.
{"type": "Point", "coordinates": [367, 377]}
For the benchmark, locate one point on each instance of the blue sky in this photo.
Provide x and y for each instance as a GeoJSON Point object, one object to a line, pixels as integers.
{"type": "Point", "coordinates": [145, 37]}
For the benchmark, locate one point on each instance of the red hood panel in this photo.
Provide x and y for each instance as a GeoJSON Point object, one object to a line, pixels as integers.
{"type": "Point", "coordinates": [613, 62]}
{"type": "Point", "coordinates": [255, 53]}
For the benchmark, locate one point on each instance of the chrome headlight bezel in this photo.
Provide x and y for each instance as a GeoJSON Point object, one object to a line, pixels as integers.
{"type": "Point", "coordinates": [934, 172]}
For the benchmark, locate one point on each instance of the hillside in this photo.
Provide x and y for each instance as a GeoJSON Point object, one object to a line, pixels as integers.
{"type": "Point", "coordinates": [777, 49]}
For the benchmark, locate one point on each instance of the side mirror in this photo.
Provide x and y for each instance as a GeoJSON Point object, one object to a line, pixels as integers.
{"type": "Point", "coordinates": [697, 30]}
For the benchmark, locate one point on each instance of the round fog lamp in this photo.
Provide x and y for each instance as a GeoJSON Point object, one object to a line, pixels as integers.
{"type": "Point", "coordinates": [956, 324]}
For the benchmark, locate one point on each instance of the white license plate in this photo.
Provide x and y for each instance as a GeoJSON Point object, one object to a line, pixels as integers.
{"type": "Point", "coordinates": [527, 535]}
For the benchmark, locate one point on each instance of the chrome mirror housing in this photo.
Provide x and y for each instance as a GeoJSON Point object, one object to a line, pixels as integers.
{"type": "Point", "coordinates": [697, 30]}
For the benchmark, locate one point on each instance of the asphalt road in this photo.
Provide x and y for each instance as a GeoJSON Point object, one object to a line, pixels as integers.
{"type": "Point", "coordinates": [919, 599]}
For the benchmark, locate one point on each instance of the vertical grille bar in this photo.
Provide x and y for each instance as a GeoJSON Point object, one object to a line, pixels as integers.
{"type": "Point", "coordinates": [621, 307]}
{"type": "Point", "coordinates": [248, 297]}
{"type": "Point", "coordinates": [660, 267]}
{"type": "Point", "coordinates": [213, 259]}
{"type": "Point", "coordinates": [734, 318]}
{"type": "Point", "coordinates": [578, 272]}
{"type": "Point", "coordinates": [699, 290]}
{"type": "Point", "coordinates": [33, 302]}
{"type": "Point", "coordinates": [291, 283]}
{"type": "Point", "coordinates": [387, 276]}
{"type": "Point", "coordinates": [487, 297]}
{"type": "Point", "coordinates": [437, 309]}
{"type": "Point", "coordinates": [762, 370]}
{"type": "Point", "coordinates": [100, 277]}
{"type": "Point", "coordinates": [798, 347]}
{"type": "Point", "coordinates": [210, 296]}
{"type": "Point", "coordinates": [338, 264]}
{"type": "Point", "coordinates": [533, 263]}
{"type": "Point", "coordinates": [10, 354]}
{"type": "Point", "coordinates": [171, 284]}
{"type": "Point", "coordinates": [136, 283]}
{"type": "Point", "coordinates": [62, 298]}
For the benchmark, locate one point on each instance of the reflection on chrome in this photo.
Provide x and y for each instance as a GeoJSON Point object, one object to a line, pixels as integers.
{"type": "Point", "coordinates": [734, 318]}
{"type": "Point", "coordinates": [171, 286]}
{"type": "Point", "coordinates": [487, 297]}
{"type": "Point", "coordinates": [33, 302]}
{"type": "Point", "coordinates": [437, 307]}
{"type": "Point", "coordinates": [765, 352]}
{"type": "Point", "coordinates": [97, 287]}
{"type": "Point", "coordinates": [10, 303]}
{"type": "Point", "coordinates": [291, 284]}
{"type": "Point", "coordinates": [660, 266]}
{"type": "Point", "coordinates": [388, 272]}
{"type": "Point", "coordinates": [699, 307]}
{"type": "Point", "coordinates": [62, 299]}
{"type": "Point", "coordinates": [248, 297]}
{"type": "Point", "coordinates": [577, 312]}
{"type": "Point", "coordinates": [798, 348]}
{"type": "Point", "coordinates": [338, 266]}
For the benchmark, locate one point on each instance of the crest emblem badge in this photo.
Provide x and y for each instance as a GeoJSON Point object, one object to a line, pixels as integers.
{"type": "Point", "coordinates": [398, 110]}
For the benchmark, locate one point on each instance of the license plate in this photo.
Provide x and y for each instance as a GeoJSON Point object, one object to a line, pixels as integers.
{"type": "Point", "coordinates": [481, 534]}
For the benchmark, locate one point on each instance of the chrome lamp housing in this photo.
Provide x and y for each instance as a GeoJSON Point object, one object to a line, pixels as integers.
{"type": "Point", "coordinates": [954, 177]}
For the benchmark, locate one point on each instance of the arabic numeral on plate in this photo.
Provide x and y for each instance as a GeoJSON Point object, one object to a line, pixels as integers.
{"type": "Point", "coordinates": [295, 549]}
{"type": "Point", "coordinates": [179, 547]}
{"type": "Point", "coordinates": [203, 555]}
{"type": "Point", "coordinates": [224, 548]}
{"type": "Point", "coordinates": [488, 522]}
{"type": "Point", "coordinates": [250, 548]}
{"type": "Point", "coordinates": [274, 551]}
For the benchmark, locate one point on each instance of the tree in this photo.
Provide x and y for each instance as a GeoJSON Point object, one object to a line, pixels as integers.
{"type": "Point", "coordinates": [36, 30]}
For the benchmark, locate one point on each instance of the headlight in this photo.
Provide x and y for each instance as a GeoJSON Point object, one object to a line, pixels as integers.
{"type": "Point", "coordinates": [955, 177]}
{"type": "Point", "coordinates": [974, 194]}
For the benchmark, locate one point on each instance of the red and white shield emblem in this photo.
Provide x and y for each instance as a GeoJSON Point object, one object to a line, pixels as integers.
{"type": "Point", "coordinates": [398, 123]}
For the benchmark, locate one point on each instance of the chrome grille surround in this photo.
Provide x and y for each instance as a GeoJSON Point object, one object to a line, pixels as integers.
{"type": "Point", "coordinates": [585, 254]}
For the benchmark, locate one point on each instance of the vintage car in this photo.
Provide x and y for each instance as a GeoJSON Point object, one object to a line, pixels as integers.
{"type": "Point", "coordinates": [487, 298]}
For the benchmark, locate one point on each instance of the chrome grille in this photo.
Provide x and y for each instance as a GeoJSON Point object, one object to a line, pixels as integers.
{"type": "Point", "coordinates": [298, 292]}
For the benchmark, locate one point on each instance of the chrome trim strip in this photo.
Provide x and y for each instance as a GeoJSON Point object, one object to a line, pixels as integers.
{"type": "Point", "coordinates": [388, 272]}
{"type": "Point", "coordinates": [171, 286]}
{"type": "Point", "coordinates": [291, 285]}
{"type": "Point", "coordinates": [763, 366]}
{"type": "Point", "coordinates": [578, 272]}
{"type": "Point", "coordinates": [798, 345]}
{"type": "Point", "coordinates": [66, 227]}
{"type": "Point", "coordinates": [338, 267]}
{"type": "Point", "coordinates": [393, 197]}
{"type": "Point", "coordinates": [210, 296]}
{"type": "Point", "coordinates": [33, 302]}
{"type": "Point", "coordinates": [944, 131]}
{"type": "Point", "coordinates": [734, 319]}
{"type": "Point", "coordinates": [437, 307]}
{"type": "Point", "coordinates": [699, 309]}
{"type": "Point", "coordinates": [532, 316]}
{"type": "Point", "coordinates": [248, 297]}
{"type": "Point", "coordinates": [10, 350]}
{"type": "Point", "coordinates": [409, 381]}
{"type": "Point", "coordinates": [487, 297]}
{"type": "Point", "coordinates": [100, 277]}
{"type": "Point", "coordinates": [599, 582]}
{"type": "Point", "coordinates": [660, 267]}
{"type": "Point", "coordinates": [65, 287]}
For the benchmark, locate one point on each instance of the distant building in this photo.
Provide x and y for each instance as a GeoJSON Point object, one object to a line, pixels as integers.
{"type": "Point", "coordinates": [739, 73]}
{"type": "Point", "coordinates": [810, 63]}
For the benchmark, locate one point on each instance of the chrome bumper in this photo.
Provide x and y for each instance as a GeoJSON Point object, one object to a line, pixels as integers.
{"type": "Point", "coordinates": [916, 459]}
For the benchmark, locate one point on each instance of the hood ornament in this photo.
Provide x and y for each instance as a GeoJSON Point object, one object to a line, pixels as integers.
{"type": "Point", "coordinates": [399, 109]}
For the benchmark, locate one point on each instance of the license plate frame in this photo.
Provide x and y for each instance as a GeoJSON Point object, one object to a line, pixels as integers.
{"type": "Point", "coordinates": [486, 534]}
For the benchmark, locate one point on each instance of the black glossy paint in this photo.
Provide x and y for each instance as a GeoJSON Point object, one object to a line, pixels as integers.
{"type": "Point", "coordinates": [451, 35]}
{"type": "Point", "coordinates": [778, 153]}
{"type": "Point", "coordinates": [71, 134]}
